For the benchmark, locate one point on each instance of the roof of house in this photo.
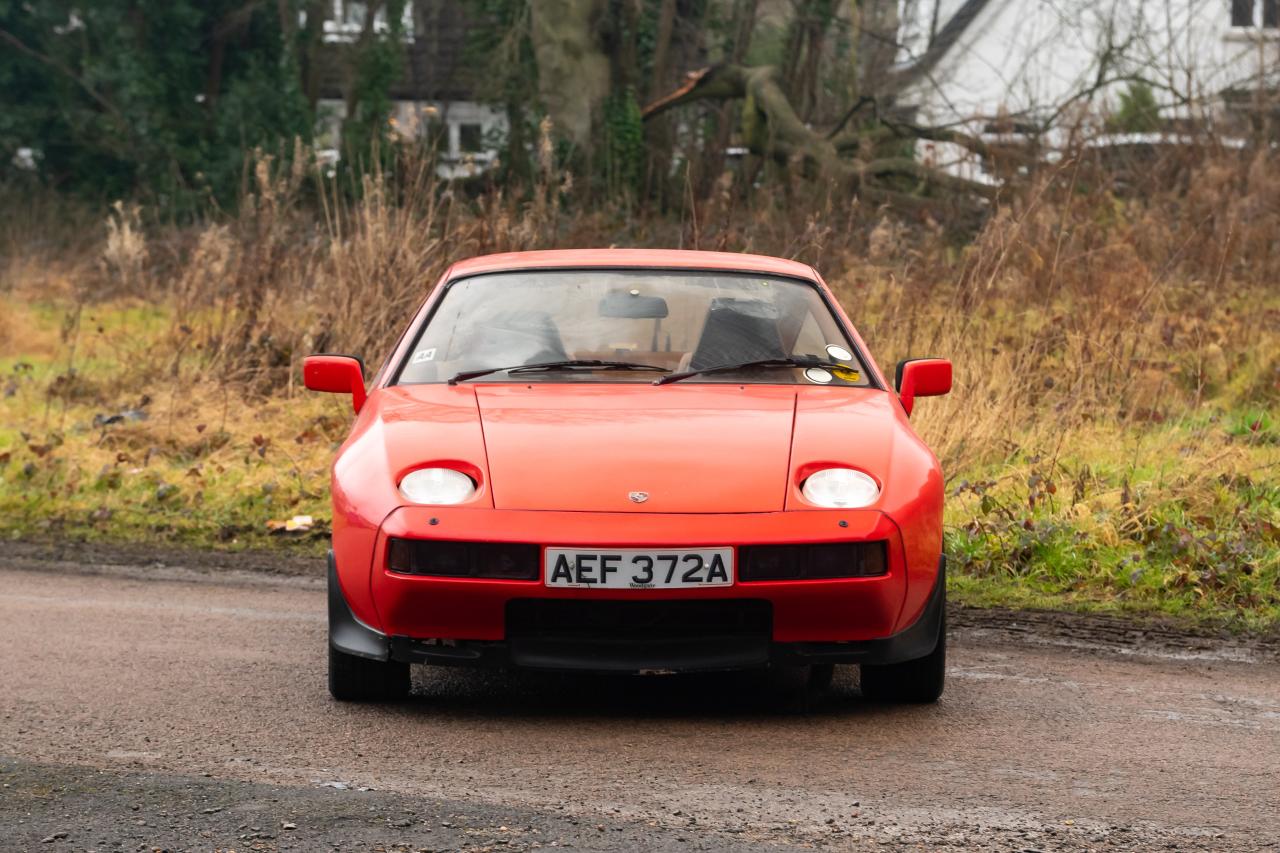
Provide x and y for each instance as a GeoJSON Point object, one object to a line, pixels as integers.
{"type": "Point", "coordinates": [943, 42]}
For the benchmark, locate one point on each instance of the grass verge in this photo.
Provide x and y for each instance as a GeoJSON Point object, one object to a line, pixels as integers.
{"type": "Point", "coordinates": [1111, 445]}
{"type": "Point", "coordinates": [1180, 518]}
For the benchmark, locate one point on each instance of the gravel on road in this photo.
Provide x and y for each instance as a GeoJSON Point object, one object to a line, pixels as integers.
{"type": "Point", "coordinates": [181, 691]}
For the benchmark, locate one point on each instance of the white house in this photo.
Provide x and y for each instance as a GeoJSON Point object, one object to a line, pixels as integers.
{"type": "Point", "coordinates": [1031, 61]}
{"type": "Point", "coordinates": [468, 130]}
{"type": "Point", "coordinates": [433, 95]}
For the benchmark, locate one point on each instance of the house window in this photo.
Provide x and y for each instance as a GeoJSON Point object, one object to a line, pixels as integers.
{"type": "Point", "coordinates": [346, 20]}
{"type": "Point", "coordinates": [470, 138]}
{"type": "Point", "coordinates": [1245, 13]}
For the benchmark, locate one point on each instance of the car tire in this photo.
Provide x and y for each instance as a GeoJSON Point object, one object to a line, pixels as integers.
{"type": "Point", "coordinates": [357, 679]}
{"type": "Point", "coordinates": [917, 681]}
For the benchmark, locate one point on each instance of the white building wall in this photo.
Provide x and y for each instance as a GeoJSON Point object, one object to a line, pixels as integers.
{"type": "Point", "coordinates": [472, 131]}
{"type": "Point", "coordinates": [1032, 57]}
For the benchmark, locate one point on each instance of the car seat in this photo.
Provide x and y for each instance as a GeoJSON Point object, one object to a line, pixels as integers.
{"type": "Point", "coordinates": [737, 330]}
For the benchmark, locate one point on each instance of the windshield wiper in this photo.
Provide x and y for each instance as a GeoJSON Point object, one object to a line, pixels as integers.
{"type": "Point", "coordinates": [798, 361]}
{"type": "Point", "coordinates": [569, 364]}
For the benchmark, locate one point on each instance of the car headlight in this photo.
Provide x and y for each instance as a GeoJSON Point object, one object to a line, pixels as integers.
{"type": "Point", "coordinates": [439, 486]}
{"type": "Point", "coordinates": [840, 488]}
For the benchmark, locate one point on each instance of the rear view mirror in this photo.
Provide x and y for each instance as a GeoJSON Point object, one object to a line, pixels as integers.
{"type": "Point", "coordinates": [630, 305]}
{"type": "Point", "coordinates": [922, 377]}
{"type": "Point", "coordinates": [337, 374]}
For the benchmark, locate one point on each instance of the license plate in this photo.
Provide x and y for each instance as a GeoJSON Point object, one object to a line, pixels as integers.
{"type": "Point", "coordinates": [624, 568]}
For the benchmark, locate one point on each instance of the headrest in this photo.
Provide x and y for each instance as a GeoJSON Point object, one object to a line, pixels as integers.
{"type": "Point", "coordinates": [738, 330]}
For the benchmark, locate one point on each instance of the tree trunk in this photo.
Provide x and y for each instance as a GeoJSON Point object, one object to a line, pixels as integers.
{"type": "Point", "coordinates": [573, 72]}
{"type": "Point", "coordinates": [310, 51]}
{"type": "Point", "coordinates": [806, 37]}
{"type": "Point", "coordinates": [877, 44]}
{"type": "Point", "coordinates": [658, 137]}
{"type": "Point", "coordinates": [362, 43]}
{"type": "Point", "coordinates": [518, 165]}
{"type": "Point", "coordinates": [744, 24]}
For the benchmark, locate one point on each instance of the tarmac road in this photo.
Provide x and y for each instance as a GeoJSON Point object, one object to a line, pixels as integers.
{"type": "Point", "coordinates": [190, 712]}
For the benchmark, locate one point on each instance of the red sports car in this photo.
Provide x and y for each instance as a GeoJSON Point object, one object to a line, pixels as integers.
{"type": "Point", "coordinates": [631, 461]}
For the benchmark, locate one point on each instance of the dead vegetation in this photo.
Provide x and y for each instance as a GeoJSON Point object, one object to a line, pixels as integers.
{"type": "Point", "coordinates": [1111, 438]}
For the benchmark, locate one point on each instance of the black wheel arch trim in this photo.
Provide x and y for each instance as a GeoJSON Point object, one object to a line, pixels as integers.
{"type": "Point", "coordinates": [347, 634]}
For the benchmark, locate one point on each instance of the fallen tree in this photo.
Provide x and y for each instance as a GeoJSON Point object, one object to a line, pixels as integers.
{"type": "Point", "coordinates": [851, 153]}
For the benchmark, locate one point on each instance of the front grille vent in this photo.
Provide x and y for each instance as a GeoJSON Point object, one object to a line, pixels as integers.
{"type": "Point", "coordinates": [668, 619]}
{"type": "Point", "coordinates": [812, 562]}
{"type": "Point", "coordinates": [450, 559]}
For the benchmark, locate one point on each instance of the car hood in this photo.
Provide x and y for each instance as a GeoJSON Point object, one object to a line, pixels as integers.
{"type": "Point", "coordinates": [683, 448]}
{"type": "Point", "coordinates": [690, 449]}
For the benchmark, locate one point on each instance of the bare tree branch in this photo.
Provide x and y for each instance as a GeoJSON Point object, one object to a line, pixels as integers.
{"type": "Point", "coordinates": [100, 100]}
{"type": "Point", "coordinates": [771, 128]}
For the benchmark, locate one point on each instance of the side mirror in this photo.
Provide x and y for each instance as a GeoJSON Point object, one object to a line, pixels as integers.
{"type": "Point", "coordinates": [338, 374]}
{"type": "Point", "coordinates": [921, 377]}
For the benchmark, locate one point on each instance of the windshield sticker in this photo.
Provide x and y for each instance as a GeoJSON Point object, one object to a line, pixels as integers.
{"type": "Point", "coordinates": [817, 374]}
{"type": "Point", "coordinates": [424, 355]}
{"type": "Point", "coordinates": [839, 353]}
{"type": "Point", "coordinates": [846, 374]}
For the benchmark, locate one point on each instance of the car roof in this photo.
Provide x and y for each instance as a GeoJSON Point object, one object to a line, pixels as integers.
{"type": "Point", "coordinates": [651, 258]}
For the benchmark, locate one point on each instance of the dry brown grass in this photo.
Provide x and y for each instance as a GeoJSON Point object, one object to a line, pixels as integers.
{"type": "Point", "coordinates": [1117, 352]}
{"type": "Point", "coordinates": [1072, 304]}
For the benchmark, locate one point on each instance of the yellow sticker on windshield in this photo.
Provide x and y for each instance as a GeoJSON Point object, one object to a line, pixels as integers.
{"type": "Point", "coordinates": [845, 373]}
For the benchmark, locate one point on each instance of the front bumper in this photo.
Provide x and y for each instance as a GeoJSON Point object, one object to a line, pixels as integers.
{"type": "Point", "coordinates": [476, 609]}
{"type": "Point", "coordinates": [703, 653]}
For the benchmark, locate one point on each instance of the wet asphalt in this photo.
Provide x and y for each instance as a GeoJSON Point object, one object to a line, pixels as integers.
{"type": "Point", "coordinates": [143, 708]}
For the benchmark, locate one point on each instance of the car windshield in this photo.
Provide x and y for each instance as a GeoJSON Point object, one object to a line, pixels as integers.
{"type": "Point", "coordinates": [667, 321]}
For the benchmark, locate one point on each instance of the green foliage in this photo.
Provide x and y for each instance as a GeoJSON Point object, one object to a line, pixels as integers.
{"type": "Point", "coordinates": [378, 63]}
{"type": "Point", "coordinates": [768, 44]}
{"type": "Point", "coordinates": [754, 127]}
{"type": "Point", "coordinates": [624, 142]}
{"type": "Point", "coordinates": [646, 38]}
{"type": "Point", "coordinates": [119, 97]}
{"type": "Point", "coordinates": [1208, 546]}
{"type": "Point", "coordinates": [504, 71]}
{"type": "Point", "coordinates": [1255, 425]}
{"type": "Point", "coordinates": [1138, 112]}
